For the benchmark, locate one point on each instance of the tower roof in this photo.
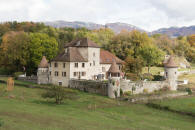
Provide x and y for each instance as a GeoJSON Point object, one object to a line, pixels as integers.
{"type": "Point", "coordinates": [82, 42]}
{"type": "Point", "coordinates": [43, 63]}
{"type": "Point", "coordinates": [114, 68]}
{"type": "Point", "coordinates": [171, 63]}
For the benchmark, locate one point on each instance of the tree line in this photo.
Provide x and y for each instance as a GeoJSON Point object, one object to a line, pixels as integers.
{"type": "Point", "coordinates": [23, 44]}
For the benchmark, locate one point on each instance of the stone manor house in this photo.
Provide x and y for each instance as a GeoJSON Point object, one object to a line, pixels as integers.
{"type": "Point", "coordinates": [80, 59]}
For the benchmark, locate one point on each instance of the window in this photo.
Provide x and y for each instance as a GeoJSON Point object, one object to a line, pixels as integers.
{"type": "Point", "coordinates": [175, 72]}
{"type": "Point", "coordinates": [56, 73]}
{"type": "Point", "coordinates": [90, 64]}
{"type": "Point", "coordinates": [49, 72]}
{"type": "Point", "coordinates": [76, 65]}
{"type": "Point", "coordinates": [119, 67]}
{"type": "Point", "coordinates": [93, 63]}
{"type": "Point", "coordinates": [64, 65]}
{"type": "Point", "coordinates": [94, 54]}
{"type": "Point", "coordinates": [83, 65]}
{"type": "Point", "coordinates": [83, 73]}
{"type": "Point", "coordinates": [60, 83]}
{"type": "Point", "coordinates": [63, 74]}
{"type": "Point", "coordinates": [103, 69]}
{"type": "Point", "coordinates": [55, 64]}
{"type": "Point", "coordinates": [75, 74]}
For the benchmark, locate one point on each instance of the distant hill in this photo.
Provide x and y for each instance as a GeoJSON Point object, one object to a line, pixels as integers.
{"type": "Point", "coordinates": [176, 31]}
{"type": "Point", "coordinates": [75, 24]}
{"type": "Point", "coordinates": [116, 27]}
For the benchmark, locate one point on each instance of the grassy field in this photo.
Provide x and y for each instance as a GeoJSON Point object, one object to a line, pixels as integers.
{"type": "Point", "coordinates": [153, 70]}
{"type": "Point", "coordinates": [191, 81]}
{"type": "Point", "coordinates": [25, 109]}
{"type": "Point", "coordinates": [179, 104]}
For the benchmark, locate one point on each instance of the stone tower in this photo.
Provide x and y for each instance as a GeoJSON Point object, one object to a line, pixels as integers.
{"type": "Point", "coordinates": [42, 73]}
{"type": "Point", "coordinates": [171, 72]}
{"type": "Point", "coordinates": [114, 81]}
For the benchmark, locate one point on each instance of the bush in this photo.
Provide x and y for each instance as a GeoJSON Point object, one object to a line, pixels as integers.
{"type": "Point", "coordinates": [147, 76]}
{"type": "Point", "coordinates": [121, 92]}
{"type": "Point", "coordinates": [158, 78]}
{"type": "Point", "coordinates": [4, 71]}
{"type": "Point", "coordinates": [2, 91]}
{"type": "Point", "coordinates": [189, 90]}
{"type": "Point", "coordinates": [145, 91]}
{"type": "Point", "coordinates": [59, 93]}
{"type": "Point", "coordinates": [16, 74]}
{"type": "Point", "coordinates": [128, 93]}
{"type": "Point", "coordinates": [1, 122]}
{"type": "Point", "coordinates": [132, 76]}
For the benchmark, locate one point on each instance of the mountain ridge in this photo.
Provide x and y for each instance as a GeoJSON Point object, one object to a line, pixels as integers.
{"type": "Point", "coordinates": [117, 27]}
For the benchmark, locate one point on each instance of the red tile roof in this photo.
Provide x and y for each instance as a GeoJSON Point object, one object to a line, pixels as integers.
{"type": "Point", "coordinates": [43, 63]}
{"type": "Point", "coordinates": [81, 42]}
{"type": "Point", "coordinates": [107, 58]}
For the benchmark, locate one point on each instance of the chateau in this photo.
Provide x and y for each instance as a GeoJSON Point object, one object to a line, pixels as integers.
{"type": "Point", "coordinates": [80, 59]}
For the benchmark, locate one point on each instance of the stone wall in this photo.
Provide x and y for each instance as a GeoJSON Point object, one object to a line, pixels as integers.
{"type": "Point", "coordinates": [28, 78]}
{"type": "Point", "coordinates": [142, 86]}
{"type": "Point", "coordinates": [90, 86]}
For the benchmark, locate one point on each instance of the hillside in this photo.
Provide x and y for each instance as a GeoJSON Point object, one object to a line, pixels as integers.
{"type": "Point", "coordinates": [176, 31]}
{"type": "Point", "coordinates": [25, 109]}
{"type": "Point", "coordinates": [116, 27]}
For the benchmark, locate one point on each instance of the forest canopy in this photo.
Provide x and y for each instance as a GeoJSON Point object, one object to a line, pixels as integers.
{"type": "Point", "coordinates": [23, 44]}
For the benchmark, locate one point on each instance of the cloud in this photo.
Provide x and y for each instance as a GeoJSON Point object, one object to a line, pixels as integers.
{"type": "Point", "coordinates": [147, 14]}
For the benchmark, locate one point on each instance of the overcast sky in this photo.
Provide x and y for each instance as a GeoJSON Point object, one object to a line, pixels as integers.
{"type": "Point", "coordinates": [146, 14]}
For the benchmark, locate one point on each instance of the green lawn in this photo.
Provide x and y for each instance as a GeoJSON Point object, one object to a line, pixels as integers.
{"type": "Point", "coordinates": [180, 104]}
{"type": "Point", "coordinates": [28, 111]}
{"type": "Point", "coordinates": [153, 70]}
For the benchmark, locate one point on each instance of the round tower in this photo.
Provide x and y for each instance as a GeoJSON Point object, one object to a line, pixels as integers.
{"type": "Point", "coordinates": [171, 72]}
{"type": "Point", "coordinates": [42, 73]}
{"type": "Point", "coordinates": [114, 81]}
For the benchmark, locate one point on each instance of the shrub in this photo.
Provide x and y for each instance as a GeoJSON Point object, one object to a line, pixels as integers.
{"type": "Point", "coordinates": [4, 71]}
{"type": "Point", "coordinates": [132, 76]}
{"type": "Point", "coordinates": [158, 78]}
{"type": "Point", "coordinates": [1, 122]}
{"type": "Point", "coordinates": [189, 90]}
{"type": "Point", "coordinates": [128, 93]}
{"type": "Point", "coordinates": [59, 93]}
{"type": "Point", "coordinates": [145, 91]}
{"type": "Point", "coordinates": [121, 92]}
{"type": "Point", "coordinates": [2, 91]}
{"type": "Point", "coordinates": [147, 76]}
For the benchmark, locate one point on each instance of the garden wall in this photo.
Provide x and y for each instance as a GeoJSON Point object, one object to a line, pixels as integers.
{"type": "Point", "coordinates": [142, 86]}
{"type": "Point", "coordinates": [32, 79]}
{"type": "Point", "coordinates": [90, 86]}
